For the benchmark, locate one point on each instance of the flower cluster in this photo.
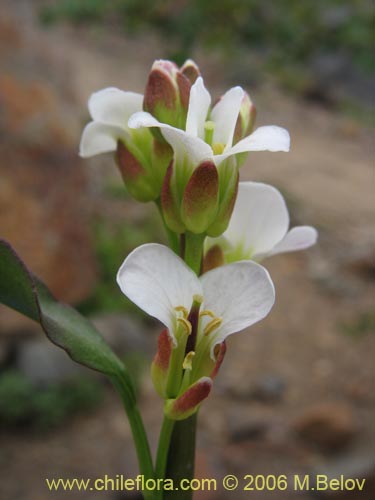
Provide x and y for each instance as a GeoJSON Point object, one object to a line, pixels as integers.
{"type": "Point", "coordinates": [174, 147]}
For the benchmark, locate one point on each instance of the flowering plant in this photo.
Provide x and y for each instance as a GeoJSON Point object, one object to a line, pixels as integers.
{"type": "Point", "coordinates": [174, 148]}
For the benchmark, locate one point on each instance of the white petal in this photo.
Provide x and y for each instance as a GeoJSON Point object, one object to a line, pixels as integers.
{"type": "Point", "coordinates": [99, 138]}
{"type": "Point", "coordinates": [241, 294]}
{"type": "Point", "coordinates": [113, 106]}
{"type": "Point", "coordinates": [260, 218]}
{"type": "Point", "coordinates": [157, 281]}
{"type": "Point", "coordinates": [199, 104]}
{"type": "Point", "coordinates": [225, 114]}
{"type": "Point", "coordinates": [186, 147]}
{"type": "Point", "coordinates": [298, 238]}
{"type": "Point", "coordinates": [269, 138]}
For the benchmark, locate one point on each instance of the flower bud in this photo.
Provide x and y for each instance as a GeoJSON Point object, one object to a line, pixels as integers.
{"type": "Point", "coordinates": [214, 257]}
{"type": "Point", "coordinates": [199, 202]}
{"type": "Point", "coordinates": [192, 205]}
{"type": "Point", "coordinates": [137, 180]}
{"type": "Point", "coordinates": [187, 404]}
{"type": "Point", "coordinates": [161, 362]}
{"type": "Point", "coordinates": [228, 182]}
{"type": "Point", "coordinates": [246, 119]}
{"type": "Point", "coordinates": [190, 70]}
{"type": "Point", "coordinates": [167, 94]}
{"type": "Point", "coordinates": [142, 163]}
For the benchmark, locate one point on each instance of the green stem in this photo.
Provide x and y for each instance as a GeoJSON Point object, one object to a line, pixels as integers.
{"type": "Point", "coordinates": [194, 251]}
{"type": "Point", "coordinates": [125, 389]}
{"type": "Point", "coordinates": [181, 457]}
{"type": "Point", "coordinates": [163, 447]}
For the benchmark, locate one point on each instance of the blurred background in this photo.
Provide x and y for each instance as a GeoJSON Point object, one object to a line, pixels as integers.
{"type": "Point", "coordinates": [295, 394]}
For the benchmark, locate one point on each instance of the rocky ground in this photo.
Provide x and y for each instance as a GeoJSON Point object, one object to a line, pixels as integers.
{"type": "Point", "coordinates": [295, 394]}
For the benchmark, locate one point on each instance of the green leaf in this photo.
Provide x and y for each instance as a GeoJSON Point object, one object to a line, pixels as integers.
{"type": "Point", "coordinates": [64, 326]}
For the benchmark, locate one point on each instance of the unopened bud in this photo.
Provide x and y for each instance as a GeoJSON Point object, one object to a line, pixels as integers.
{"type": "Point", "coordinates": [167, 94]}
{"type": "Point", "coordinates": [137, 179]}
{"type": "Point", "coordinates": [227, 199]}
{"type": "Point", "coordinates": [200, 198]}
{"type": "Point", "coordinates": [213, 258]}
{"type": "Point", "coordinates": [190, 70]}
{"type": "Point", "coordinates": [246, 119]}
{"type": "Point", "coordinates": [188, 403]}
{"type": "Point", "coordinates": [161, 362]}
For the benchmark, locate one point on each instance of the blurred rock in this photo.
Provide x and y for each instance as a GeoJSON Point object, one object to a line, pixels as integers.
{"type": "Point", "coordinates": [43, 215]}
{"type": "Point", "coordinates": [267, 388]}
{"type": "Point", "coordinates": [126, 334]}
{"type": "Point", "coordinates": [43, 190]}
{"type": "Point", "coordinates": [44, 363]}
{"type": "Point", "coordinates": [328, 426]}
{"type": "Point", "coordinates": [242, 427]}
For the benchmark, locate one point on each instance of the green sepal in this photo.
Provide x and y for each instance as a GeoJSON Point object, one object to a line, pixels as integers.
{"type": "Point", "coordinates": [188, 403]}
{"type": "Point", "coordinates": [169, 203]}
{"type": "Point", "coordinates": [228, 188]}
{"type": "Point", "coordinates": [200, 199]}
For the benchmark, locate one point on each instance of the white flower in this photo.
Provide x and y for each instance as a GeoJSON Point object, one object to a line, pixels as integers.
{"type": "Point", "coordinates": [259, 226]}
{"type": "Point", "coordinates": [110, 110]}
{"type": "Point", "coordinates": [209, 134]}
{"type": "Point", "coordinates": [231, 297]}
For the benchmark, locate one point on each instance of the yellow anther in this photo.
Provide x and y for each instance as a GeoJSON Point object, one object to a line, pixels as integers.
{"type": "Point", "coordinates": [186, 324]}
{"type": "Point", "coordinates": [212, 325]}
{"type": "Point", "coordinates": [188, 361]}
{"type": "Point", "coordinates": [218, 148]}
{"type": "Point", "coordinates": [182, 309]}
{"type": "Point", "coordinates": [207, 312]}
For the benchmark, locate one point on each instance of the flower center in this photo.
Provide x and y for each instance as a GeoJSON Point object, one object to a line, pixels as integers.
{"type": "Point", "coordinates": [209, 128]}
{"type": "Point", "coordinates": [218, 148]}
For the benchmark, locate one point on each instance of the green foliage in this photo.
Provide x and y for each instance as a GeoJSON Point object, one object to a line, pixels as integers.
{"type": "Point", "coordinates": [63, 325]}
{"type": "Point", "coordinates": [21, 403]}
{"type": "Point", "coordinates": [285, 32]}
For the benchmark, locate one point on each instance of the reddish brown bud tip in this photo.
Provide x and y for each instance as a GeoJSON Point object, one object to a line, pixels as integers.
{"type": "Point", "coordinates": [190, 70]}
{"type": "Point", "coordinates": [213, 258]}
{"type": "Point", "coordinates": [187, 403]}
{"type": "Point", "coordinates": [220, 351]}
{"type": "Point", "coordinates": [128, 164]}
{"type": "Point", "coordinates": [138, 181]}
{"type": "Point", "coordinates": [184, 87]}
{"type": "Point", "coordinates": [200, 199]}
{"type": "Point", "coordinates": [160, 92]}
{"type": "Point", "coordinates": [163, 355]}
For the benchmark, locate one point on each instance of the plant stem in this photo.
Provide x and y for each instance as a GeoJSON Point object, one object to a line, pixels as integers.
{"type": "Point", "coordinates": [194, 251]}
{"type": "Point", "coordinates": [163, 447]}
{"type": "Point", "coordinates": [181, 457]}
{"type": "Point", "coordinates": [124, 386]}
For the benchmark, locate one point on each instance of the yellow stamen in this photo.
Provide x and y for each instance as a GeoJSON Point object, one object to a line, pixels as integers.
{"type": "Point", "coordinates": [186, 324]}
{"type": "Point", "coordinates": [212, 325]}
{"type": "Point", "coordinates": [188, 361]}
{"type": "Point", "coordinates": [207, 312]}
{"type": "Point", "coordinates": [182, 309]}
